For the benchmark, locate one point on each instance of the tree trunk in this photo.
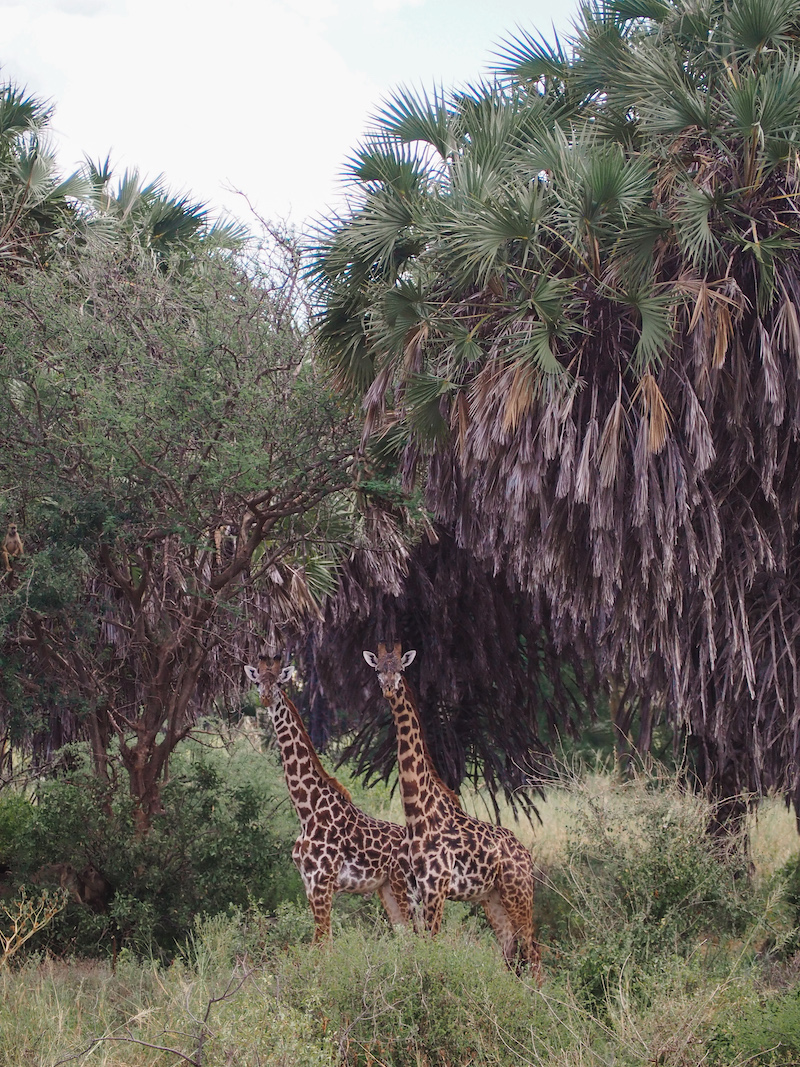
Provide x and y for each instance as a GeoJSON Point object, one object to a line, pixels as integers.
{"type": "Point", "coordinates": [621, 709]}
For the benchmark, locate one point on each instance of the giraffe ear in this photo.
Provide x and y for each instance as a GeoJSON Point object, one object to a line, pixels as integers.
{"type": "Point", "coordinates": [285, 675]}
{"type": "Point", "coordinates": [252, 673]}
{"type": "Point", "coordinates": [371, 659]}
{"type": "Point", "coordinates": [408, 658]}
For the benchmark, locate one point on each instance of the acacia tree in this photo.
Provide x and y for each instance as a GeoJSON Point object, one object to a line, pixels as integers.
{"type": "Point", "coordinates": [173, 462]}
{"type": "Point", "coordinates": [570, 299]}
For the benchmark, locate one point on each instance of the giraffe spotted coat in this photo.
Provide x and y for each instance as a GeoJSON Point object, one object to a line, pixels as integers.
{"type": "Point", "coordinates": [340, 848]}
{"type": "Point", "coordinates": [451, 854]}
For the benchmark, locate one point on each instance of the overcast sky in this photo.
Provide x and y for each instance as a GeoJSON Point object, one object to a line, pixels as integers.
{"type": "Point", "coordinates": [266, 96]}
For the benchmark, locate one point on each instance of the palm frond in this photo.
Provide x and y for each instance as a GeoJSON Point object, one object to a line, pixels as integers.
{"type": "Point", "coordinates": [693, 209]}
{"type": "Point", "coordinates": [764, 107]}
{"type": "Point", "coordinates": [655, 411]}
{"type": "Point", "coordinates": [482, 237]}
{"type": "Point", "coordinates": [382, 162]}
{"type": "Point", "coordinates": [755, 26]}
{"type": "Point", "coordinates": [529, 57]}
{"type": "Point", "coordinates": [656, 311]}
{"type": "Point", "coordinates": [21, 114]}
{"type": "Point", "coordinates": [409, 117]}
{"type": "Point", "coordinates": [654, 10]}
{"type": "Point", "coordinates": [422, 402]}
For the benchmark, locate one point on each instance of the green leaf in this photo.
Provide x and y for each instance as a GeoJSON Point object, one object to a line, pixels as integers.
{"type": "Point", "coordinates": [693, 208]}
{"type": "Point", "coordinates": [756, 25]}
{"type": "Point", "coordinates": [422, 397]}
{"type": "Point", "coordinates": [641, 9]}
{"type": "Point", "coordinates": [408, 118]}
{"type": "Point", "coordinates": [656, 326]}
{"type": "Point", "coordinates": [529, 57]}
{"type": "Point", "coordinates": [386, 163]}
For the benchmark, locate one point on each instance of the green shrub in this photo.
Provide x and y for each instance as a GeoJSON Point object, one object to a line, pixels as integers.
{"type": "Point", "coordinates": [223, 842]}
{"type": "Point", "coordinates": [15, 816]}
{"type": "Point", "coordinates": [642, 882]}
{"type": "Point", "coordinates": [763, 1030]}
{"type": "Point", "coordinates": [398, 999]}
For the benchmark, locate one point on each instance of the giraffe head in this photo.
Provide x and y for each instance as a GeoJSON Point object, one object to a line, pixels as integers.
{"type": "Point", "coordinates": [267, 676]}
{"type": "Point", "coordinates": [389, 665]}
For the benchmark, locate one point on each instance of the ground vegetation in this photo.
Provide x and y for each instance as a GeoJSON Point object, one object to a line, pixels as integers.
{"type": "Point", "coordinates": [655, 949]}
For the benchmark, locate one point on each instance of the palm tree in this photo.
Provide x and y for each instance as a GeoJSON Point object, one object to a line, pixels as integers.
{"type": "Point", "coordinates": [165, 225]}
{"type": "Point", "coordinates": [571, 300]}
{"type": "Point", "coordinates": [36, 205]}
{"type": "Point", "coordinates": [39, 209]}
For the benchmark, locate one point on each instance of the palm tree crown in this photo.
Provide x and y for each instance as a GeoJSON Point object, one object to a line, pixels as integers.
{"type": "Point", "coordinates": [570, 297]}
{"type": "Point", "coordinates": [36, 204]}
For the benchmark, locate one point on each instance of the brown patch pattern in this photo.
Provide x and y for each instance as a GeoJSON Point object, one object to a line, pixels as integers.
{"type": "Point", "coordinates": [340, 848]}
{"type": "Point", "coordinates": [452, 854]}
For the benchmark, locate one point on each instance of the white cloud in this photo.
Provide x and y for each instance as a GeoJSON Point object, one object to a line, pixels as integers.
{"type": "Point", "coordinates": [244, 94]}
{"type": "Point", "coordinates": [395, 5]}
{"type": "Point", "coordinates": [268, 96]}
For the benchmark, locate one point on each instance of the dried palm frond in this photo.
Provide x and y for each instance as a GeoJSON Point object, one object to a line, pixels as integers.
{"type": "Point", "coordinates": [633, 381]}
{"type": "Point", "coordinates": [492, 688]}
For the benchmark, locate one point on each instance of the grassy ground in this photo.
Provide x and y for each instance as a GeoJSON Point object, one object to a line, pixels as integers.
{"type": "Point", "coordinates": [656, 952]}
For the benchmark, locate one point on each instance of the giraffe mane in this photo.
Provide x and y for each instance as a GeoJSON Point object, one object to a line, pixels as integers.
{"type": "Point", "coordinates": [427, 752]}
{"type": "Point", "coordinates": [315, 760]}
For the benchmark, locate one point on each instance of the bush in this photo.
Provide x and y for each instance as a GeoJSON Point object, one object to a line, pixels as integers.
{"type": "Point", "coordinates": [642, 881]}
{"type": "Point", "coordinates": [15, 816]}
{"type": "Point", "coordinates": [395, 998]}
{"type": "Point", "coordinates": [763, 1031]}
{"type": "Point", "coordinates": [223, 842]}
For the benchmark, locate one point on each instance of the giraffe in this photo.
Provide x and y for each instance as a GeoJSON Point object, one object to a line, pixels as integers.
{"type": "Point", "coordinates": [453, 855]}
{"type": "Point", "coordinates": [340, 848]}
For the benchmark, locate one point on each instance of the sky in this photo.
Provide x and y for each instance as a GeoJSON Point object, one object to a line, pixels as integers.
{"type": "Point", "coordinates": [264, 97]}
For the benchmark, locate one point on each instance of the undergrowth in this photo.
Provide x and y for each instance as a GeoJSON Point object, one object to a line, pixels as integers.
{"type": "Point", "coordinates": [658, 948]}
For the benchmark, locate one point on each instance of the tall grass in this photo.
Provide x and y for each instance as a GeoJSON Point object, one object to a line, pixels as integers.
{"type": "Point", "coordinates": [208, 1012]}
{"type": "Point", "coordinates": [657, 950]}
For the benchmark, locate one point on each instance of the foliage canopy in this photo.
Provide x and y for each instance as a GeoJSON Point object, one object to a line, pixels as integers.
{"type": "Point", "coordinates": [570, 299]}
{"type": "Point", "coordinates": [176, 467]}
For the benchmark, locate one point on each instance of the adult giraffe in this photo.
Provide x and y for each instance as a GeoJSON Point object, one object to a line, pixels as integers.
{"type": "Point", "coordinates": [453, 855]}
{"type": "Point", "coordinates": [340, 848]}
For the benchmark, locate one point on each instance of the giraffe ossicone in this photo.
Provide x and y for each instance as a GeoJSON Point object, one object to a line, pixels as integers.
{"type": "Point", "coordinates": [453, 855]}
{"type": "Point", "coordinates": [340, 849]}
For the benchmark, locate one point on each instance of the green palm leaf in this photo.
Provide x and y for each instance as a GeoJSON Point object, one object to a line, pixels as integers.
{"type": "Point", "coordinates": [754, 26]}
{"type": "Point", "coordinates": [384, 163]}
{"type": "Point", "coordinates": [528, 57]}
{"type": "Point", "coordinates": [409, 118]}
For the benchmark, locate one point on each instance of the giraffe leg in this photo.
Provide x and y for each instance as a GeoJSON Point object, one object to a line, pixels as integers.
{"type": "Point", "coordinates": [515, 888]}
{"type": "Point", "coordinates": [398, 886]}
{"type": "Point", "coordinates": [433, 899]}
{"type": "Point", "coordinates": [500, 922]}
{"type": "Point", "coordinates": [395, 905]}
{"type": "Point", "coordinates": [320, 897]}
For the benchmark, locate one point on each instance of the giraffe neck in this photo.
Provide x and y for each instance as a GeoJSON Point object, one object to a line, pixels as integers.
{"type": "Point", "coordinates": [420, 785]}
{"type": "Point", "coordinates": [308, 782]}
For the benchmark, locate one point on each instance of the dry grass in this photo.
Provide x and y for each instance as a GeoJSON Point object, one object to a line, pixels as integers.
{"type": "Point", "coordinates": [772, 828]}
{"type": "Point", "coordinates": [773, 836]}
{"type": "Point", "coordinates": [214, 1013]}
{"type": "Point", "coordinates": [217, 1009]}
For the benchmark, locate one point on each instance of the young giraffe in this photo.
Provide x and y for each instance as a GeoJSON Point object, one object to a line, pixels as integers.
{"type": "Point", "coordinates": [340, 849]}
{"type": "Point", "coordinates": [453, 855]}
